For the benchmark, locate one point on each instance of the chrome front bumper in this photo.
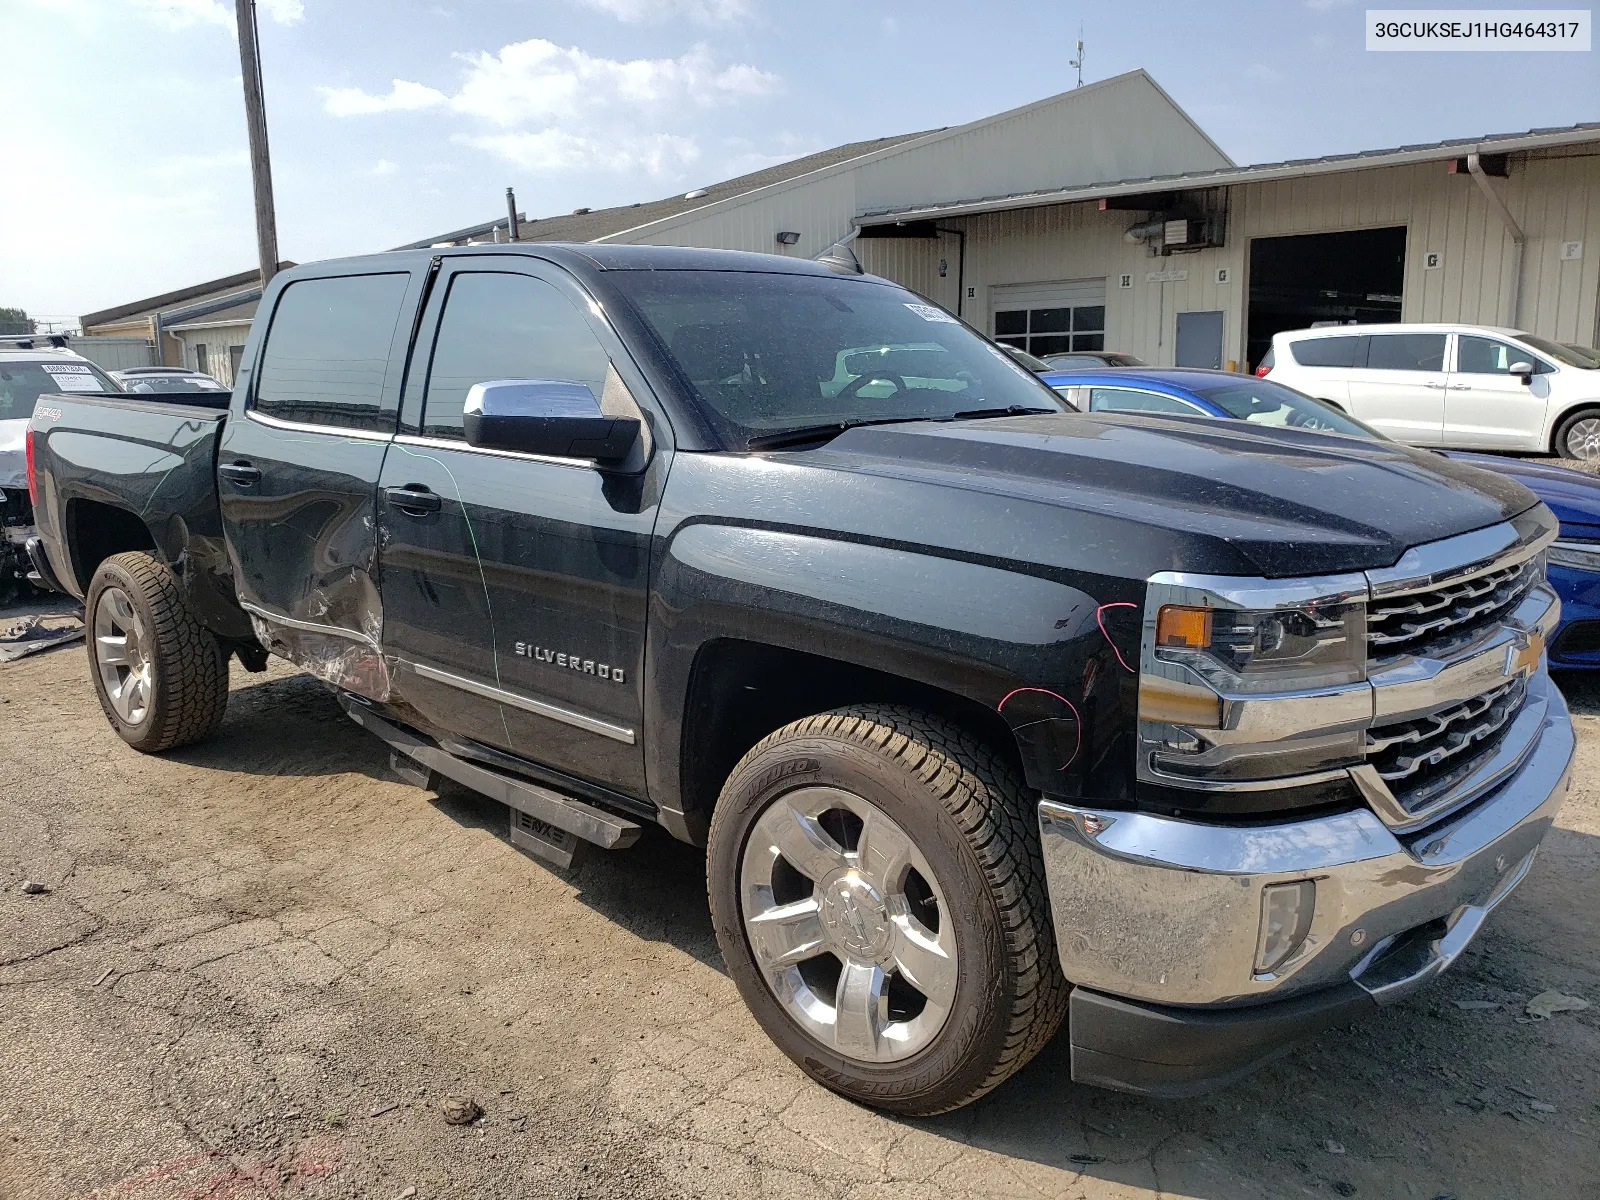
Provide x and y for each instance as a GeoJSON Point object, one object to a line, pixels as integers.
{"type": "Point", "coordinates": [1168, 911]}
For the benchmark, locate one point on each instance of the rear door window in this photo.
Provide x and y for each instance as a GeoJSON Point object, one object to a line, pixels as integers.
{"type": "Point", "coordinates": [327, 352]}
{"type": "Point", "coordinates": [1406, 352]}
{"type": "Point", "coordinates": [1329, 352]}
{"type": "Point", "coordinates": [1111, 399]}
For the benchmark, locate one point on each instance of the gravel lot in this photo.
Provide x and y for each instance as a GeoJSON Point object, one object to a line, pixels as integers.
{"type": "Point", "coordinates": [263, 962]}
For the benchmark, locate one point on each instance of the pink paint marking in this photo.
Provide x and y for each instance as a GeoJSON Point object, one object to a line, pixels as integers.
{"type": "Point", "coordinates": [1077, 721]}
{"type": "Point", "coordinates": [1100, 620]}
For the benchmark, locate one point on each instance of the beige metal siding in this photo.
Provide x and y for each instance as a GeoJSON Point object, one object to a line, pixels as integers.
{"type": "Point", "coordinates": [1555, 198]}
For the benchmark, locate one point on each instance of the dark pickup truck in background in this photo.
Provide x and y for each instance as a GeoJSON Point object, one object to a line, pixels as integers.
{"type": "Point", "coordinates": [1200, 736]}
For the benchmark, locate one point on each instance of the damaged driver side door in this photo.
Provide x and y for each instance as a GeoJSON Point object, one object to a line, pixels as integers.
{"type": "Point", "coordinates": [297, 472]}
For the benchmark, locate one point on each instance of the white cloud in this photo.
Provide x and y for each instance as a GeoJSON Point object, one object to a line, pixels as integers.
{"type": "Point", "coordinates": [1263, 73]}
{"type": "Point", "coordinates": [403, 96]}
{"type": "Point", "coordinates": [384, 167]}
{"type": "Point", "coordinates": [553, 150]}
{"type": "Point", "coordinates": [564, 109]}
{"type": "Point", "coordinates": [284, 12]}
{"type": "Point", "coordinates": [538, 80]}
{"type": "Point", "coordinates": [703, 12]}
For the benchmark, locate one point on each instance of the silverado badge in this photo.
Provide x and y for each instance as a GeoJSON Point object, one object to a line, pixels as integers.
{"type": "Point", "coordinates": [573, 662]}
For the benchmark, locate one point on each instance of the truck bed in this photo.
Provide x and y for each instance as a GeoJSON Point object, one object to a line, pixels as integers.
{"type": "Point", "coordinates": [105, 459]}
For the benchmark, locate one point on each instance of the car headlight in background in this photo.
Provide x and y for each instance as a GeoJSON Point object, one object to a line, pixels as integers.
{"type": "Point", "coordinates": [1231, 669]}
{"type": "Point", "coordinates": [1581, 556]}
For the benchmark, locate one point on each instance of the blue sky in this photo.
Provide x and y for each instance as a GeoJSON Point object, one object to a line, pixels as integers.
{"type": "Point", "coordinates": [124, 156]}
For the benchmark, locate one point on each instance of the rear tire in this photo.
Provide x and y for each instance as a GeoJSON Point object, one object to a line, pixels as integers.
{"type": "Point", "coordinates": [905, 788]}
{"type": "Point", "coordinates": [1578, 436]}
{"type": "Point", "coordinates": [161, 677]}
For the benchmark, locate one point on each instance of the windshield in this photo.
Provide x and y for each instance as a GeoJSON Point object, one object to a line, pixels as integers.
{"type": "Point", "coordinates": [174, 383]}
{"type": "Point", "coordinates": [1571, 356]}
{"type": "Point", "coordinates": [1262, 402]}
{"type": "Point", "coordinates": [21, 383]}
{"type": "Point", "coordinates": [767, 353]}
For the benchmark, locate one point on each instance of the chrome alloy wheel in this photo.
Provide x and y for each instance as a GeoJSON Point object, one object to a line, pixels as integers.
{"type": "Point", "coordinates": [120, 655]}
{"type": "Point", "coordinates": [848, 925]}
{"type": "Point", "coordinates": [1583, 439]}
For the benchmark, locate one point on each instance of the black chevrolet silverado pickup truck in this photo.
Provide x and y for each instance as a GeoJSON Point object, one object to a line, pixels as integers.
{"type": "Point", "coordinates": [1199, 736]}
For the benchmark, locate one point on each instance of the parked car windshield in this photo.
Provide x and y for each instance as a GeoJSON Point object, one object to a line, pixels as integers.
{"type": "Point", "coordinates": [1110, 358]}
{"type": "Point", "coordinates": [174, 383]}
{"type": "Point", "coordinates": [767, 352]}
{"type": "Point", "coordinates": [1570, 356]}
{"type": "Point", "coordinates": [21, 383]}
{"type": "Point", "coordinates": [1263, 402]}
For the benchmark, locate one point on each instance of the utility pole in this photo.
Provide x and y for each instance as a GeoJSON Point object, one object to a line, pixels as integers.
{"type": "Point", "coordinates": [513, 231]}
{"type": "Point", "coordinates": [256, 120]}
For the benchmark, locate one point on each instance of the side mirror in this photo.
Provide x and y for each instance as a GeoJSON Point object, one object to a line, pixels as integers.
{"type": "Point", "coordinates": [545, 416]}
{"type": "Point", "coordinates": [1523, 371]}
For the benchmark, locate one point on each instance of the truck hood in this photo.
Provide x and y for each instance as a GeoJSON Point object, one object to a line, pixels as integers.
{"type": "Point", "coordinates": [1220, 496]}
{"type": "Point", "coordinates": [13, 454]}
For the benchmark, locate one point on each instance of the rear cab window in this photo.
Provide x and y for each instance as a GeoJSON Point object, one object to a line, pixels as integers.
{"type": "Point", "coordinates": [327, 352]}
{"type": "Point", "coordinates": [23, 382]}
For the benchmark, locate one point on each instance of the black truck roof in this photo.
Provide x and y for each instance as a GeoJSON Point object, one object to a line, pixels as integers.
{"type": "Point", "coordinates": [590, 256]}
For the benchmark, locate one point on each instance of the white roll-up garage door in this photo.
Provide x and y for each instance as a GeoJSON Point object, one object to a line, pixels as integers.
{"type": "Point", "coordinates": [1051, 318]}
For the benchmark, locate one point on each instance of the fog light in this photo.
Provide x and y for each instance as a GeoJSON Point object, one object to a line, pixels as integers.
{"type": "Point", "coordinates": [1286, 912]}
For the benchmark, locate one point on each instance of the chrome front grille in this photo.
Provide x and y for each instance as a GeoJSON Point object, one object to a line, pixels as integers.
{"type": "Point", "coordinates": [1432, 621]}
{"type": "Point", "coordinates": [1420, 757]}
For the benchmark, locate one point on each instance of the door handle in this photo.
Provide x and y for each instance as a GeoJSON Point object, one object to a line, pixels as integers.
{"type": "Point", "coordinates": [1435, 386]}
{"type": "Point", "coordinates": [240, 472]}
{"type": "Point", "coordinates": [414, 498]}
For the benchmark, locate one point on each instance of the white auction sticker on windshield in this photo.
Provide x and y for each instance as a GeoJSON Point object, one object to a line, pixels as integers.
{"type": "Point", "coordinates": [70, 377]}
{"type": "Point", "coordinates": [929, 313]}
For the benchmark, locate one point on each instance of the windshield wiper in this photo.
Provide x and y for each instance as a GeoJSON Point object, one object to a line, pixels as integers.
{"type": "Point", "coordinates": [817, 433]}
{"type": "Point", "coordinates": [1010, 410]}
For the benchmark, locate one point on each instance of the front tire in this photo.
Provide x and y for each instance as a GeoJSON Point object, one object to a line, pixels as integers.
{"type": "Point", "coordinates": [161, 677]}
{"type": "Point", "coordinates": [1578, 436]}
{"type": "Point", "coordinates": [878, 892]}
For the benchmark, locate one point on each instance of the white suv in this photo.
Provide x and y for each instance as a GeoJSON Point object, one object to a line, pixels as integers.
{"type": "Point", "coordinates": [1449, 385]}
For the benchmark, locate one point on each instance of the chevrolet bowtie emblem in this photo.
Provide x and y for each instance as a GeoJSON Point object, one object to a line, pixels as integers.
{"type": "Point", "coordinates": [1524, 653]}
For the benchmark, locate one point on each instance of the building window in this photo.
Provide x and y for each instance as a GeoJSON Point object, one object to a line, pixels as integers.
{"type": "Point", "coordinates": [1042, 331]}
{"type": "Point", "coordinates": [200, 358]}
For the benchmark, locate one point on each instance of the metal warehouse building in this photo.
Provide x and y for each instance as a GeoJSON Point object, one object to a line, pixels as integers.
{"type": "Point", "coordinates": [1106, 218]}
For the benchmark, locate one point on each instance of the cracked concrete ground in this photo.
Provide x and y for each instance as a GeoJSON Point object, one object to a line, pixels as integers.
{"type": "Point", "coordinates": [264, 961]}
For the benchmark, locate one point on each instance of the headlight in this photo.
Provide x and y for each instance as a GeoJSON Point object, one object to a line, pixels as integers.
{"type": "Point", "coordinates": [1581, 556]}
{"type": "Point", "coordinates": [1250, 680]}
{"type": "Point", "coordinates": [1258, 650]}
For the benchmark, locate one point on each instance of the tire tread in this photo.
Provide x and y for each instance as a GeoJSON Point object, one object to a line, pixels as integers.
{"type": "Point", "coordinates": [995, 814]}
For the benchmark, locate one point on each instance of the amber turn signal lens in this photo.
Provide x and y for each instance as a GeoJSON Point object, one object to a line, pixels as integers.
{"type": "Point", "coordinates": [1177, 625]}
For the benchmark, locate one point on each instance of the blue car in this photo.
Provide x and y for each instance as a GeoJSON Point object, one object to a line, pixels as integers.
{"type": "Point", "coordinates": [1573, 496]}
